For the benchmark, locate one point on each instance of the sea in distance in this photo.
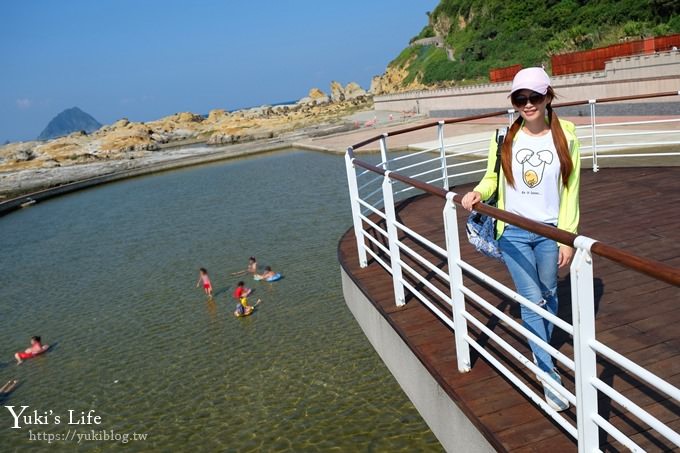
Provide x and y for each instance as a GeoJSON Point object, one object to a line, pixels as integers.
{"type": "Point", "coordinates": [107, 275]}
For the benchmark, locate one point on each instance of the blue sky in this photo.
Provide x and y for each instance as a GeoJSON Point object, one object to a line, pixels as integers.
{"type": "Point", "coordinates": [147, 59]}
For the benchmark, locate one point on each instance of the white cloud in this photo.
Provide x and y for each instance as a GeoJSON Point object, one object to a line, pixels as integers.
{"type": "Point", "coordinates": [24, 103]}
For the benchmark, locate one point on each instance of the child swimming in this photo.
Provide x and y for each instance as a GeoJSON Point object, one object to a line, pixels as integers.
{"type": "Point", "coordinates": [35, 349]}
{"type": "Point", "coordinates": [268, 275]}
{"type": "Point", "coordinates": [207, 286]}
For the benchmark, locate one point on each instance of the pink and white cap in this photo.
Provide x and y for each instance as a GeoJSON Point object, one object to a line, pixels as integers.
{"type": "Point", "coordinates": [534, 79]}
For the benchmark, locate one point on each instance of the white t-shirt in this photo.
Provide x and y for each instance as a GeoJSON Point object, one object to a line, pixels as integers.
{"type": "Point", "coordinates": [536, 169]}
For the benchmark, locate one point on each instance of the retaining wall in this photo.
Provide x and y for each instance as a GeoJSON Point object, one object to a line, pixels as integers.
{"type": "Point", "coordinates": [640, 74]}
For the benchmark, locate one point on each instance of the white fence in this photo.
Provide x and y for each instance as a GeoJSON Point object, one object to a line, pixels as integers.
{"type": "Point", "coordinates": [374, 193]}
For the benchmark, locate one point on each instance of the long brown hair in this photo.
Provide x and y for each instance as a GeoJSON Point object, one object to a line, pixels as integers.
{"type": "Point", "coordinates": [559, 139]}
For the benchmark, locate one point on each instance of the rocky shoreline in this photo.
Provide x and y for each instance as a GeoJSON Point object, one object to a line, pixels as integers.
{"type": "Point", "coordinates": [181, 138]}
{"type": "Point", "coordinates": [15, 185]}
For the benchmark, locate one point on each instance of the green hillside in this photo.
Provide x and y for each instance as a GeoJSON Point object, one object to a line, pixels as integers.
{"type": "Point", "coordinates": [497, 33]}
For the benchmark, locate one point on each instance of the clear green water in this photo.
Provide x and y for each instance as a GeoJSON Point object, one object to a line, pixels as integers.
{"type": "Point", "coordinates": [108, 275]}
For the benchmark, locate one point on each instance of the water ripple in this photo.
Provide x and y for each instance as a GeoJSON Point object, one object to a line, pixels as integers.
{"type": "Point", "coordinates": [108, 274]}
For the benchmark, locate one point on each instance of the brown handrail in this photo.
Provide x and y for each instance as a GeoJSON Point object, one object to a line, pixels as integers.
{"type": "Point", "coordinates": [505, 112]}
{"type": "Point", "coordinates": [652, 268]}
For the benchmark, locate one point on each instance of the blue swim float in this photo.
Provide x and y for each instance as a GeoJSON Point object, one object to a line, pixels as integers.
{"type": "Point", "coordinates": [273, 278]}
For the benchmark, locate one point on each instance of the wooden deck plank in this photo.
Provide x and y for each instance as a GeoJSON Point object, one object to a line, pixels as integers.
{"type": "Point", "coordinates": [635, 315]}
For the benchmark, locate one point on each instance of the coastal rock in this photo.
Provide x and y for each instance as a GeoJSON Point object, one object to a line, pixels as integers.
{"type": "Point", "coordinates": [170, 124]}
{"type": "Point", "coordinates": [160, 137]}
{"type": "Point", "coordinates": [180, 134]}
{"type": "Point", "coordinates": [220, 139]}
{"type": "Point", "coordinates": [21, 153]}
{"type": "Point", "coordinates": [316, 93]}
{"type": "Point", "coordinates": [65, 150]}
{"type": "Point", "coordinates": [123, 122]}
{"type": "Point", "coordinates": [392, 81]}
{"type": "Point", "coordinates": [315, 97]}
{"type": "Point", "coordinates": [376, 85]}
{"type": "Point", "coordinates": [256, 112]}
{"type": "Point", "coordinates": [217, 115]}
{"type": "Point", "coordinates": [188, 117]}
{"type": "Point", "coordinates": [50, 163]}
{"type": "Point", "coordinates": [124, 142]}
{"type": "Point", "coordinates": [281, 109]}
{"type": "Point", "coordinates": [353, 91]}
{"type": "Point", "coordinates": [132, 137]}
{"type": "Point", "coordinates": [337, 92]}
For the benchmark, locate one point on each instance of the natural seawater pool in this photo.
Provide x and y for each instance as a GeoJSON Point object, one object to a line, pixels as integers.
{"type": "Point", "coordinates": [109, 274]}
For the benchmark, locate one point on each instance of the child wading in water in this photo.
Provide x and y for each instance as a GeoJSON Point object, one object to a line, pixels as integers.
{"type": "Point", "coordinates": [207, 286]}
{"type": "Point", "coordinates": [252, 267]}
{"type": "Point", "coordinates": [35, 349]}
{"type": "Point", "coordinates": [241, 294]}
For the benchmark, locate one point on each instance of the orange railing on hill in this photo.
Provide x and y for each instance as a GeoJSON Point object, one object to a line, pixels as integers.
{"type": "Point", "coordinates": [595, 59]}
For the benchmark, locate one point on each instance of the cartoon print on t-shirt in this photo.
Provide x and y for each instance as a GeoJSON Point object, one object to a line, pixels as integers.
{"type": "Point", "coordinates": [533, 164]}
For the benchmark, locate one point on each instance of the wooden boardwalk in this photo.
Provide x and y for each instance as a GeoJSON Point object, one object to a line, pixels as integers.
{"type": "Point", "coordinates": [636, 209]}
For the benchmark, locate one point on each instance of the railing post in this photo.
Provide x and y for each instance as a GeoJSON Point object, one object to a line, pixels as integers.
{"type": "Point", "coordinates": [383, 150]}
{"type": "Point", "coordinates": [583, 315]}
{"type": "Point", "coordinates": [356, 208]}
{"type": "Point", "coordinates": [442, 155]}
{"type": "Point", "coordinates": [593, 136]}
{"type": "Point", "coordinates": [392, 237]}
{"type": "Point", "coordinates": [456, 283]}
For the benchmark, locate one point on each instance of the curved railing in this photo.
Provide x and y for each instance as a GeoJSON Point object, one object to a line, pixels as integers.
{"type": "Point", "coordinates": [390, 172]}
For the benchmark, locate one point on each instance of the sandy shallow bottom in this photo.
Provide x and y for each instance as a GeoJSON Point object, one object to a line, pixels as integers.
{"type": "Point", "coordinates": [108, 275]}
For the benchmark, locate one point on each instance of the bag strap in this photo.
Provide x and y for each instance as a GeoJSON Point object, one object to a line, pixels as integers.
{"type": "Point", "coordinates": [501, 132]}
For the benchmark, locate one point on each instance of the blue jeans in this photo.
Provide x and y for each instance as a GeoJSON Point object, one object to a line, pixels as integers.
{"type": "Point", "coordinates": [532, 262]}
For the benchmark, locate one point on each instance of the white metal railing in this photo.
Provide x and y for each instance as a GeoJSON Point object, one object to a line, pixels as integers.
{"type": "Point", "coordinates": [411, 171]}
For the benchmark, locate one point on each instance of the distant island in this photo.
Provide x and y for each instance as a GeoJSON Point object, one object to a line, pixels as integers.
{"type": "Point", "coordinates": [68, 121]}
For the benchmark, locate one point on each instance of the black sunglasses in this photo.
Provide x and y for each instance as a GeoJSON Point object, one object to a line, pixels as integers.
{"type": "Point", "coordinates": [520, 100]}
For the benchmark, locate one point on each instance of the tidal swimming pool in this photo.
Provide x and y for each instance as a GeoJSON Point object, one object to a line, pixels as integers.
{"type": "Point", "coordinates": [108, 275]}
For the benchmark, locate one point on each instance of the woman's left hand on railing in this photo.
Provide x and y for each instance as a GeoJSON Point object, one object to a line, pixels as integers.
{"type": "Point", "coordinates": [470, 199]}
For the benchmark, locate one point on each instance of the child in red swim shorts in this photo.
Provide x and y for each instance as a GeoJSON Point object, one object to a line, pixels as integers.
{"type": "Point", "coordinates": [207, 286]}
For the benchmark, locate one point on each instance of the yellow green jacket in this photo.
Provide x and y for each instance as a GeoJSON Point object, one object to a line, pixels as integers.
{"type": "Point", "coordinates": [568, 216]}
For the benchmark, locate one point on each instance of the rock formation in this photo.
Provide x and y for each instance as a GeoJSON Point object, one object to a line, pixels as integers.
{"type": "Point", "coordinates": [337, 92]}
{"type": "Point", "coordinates": [127, 140]}
{"type": "Point", "coordinates": [392, 81]}
{"type": "Point", "coordinates": [353, 91]}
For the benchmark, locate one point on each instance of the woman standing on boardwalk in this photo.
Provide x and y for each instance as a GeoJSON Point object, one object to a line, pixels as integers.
{"type": "Point", "coordinates": [540, 161]}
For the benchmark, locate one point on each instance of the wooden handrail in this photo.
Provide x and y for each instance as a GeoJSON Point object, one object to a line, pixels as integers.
{"type": "Point", "coordinates": [652, 268]}
{"type": "Point", "coordinates": [505, 112]}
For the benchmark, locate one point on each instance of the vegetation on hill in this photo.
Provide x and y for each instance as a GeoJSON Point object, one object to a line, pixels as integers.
{"type": "Point", "coordinates": [485, 34]}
